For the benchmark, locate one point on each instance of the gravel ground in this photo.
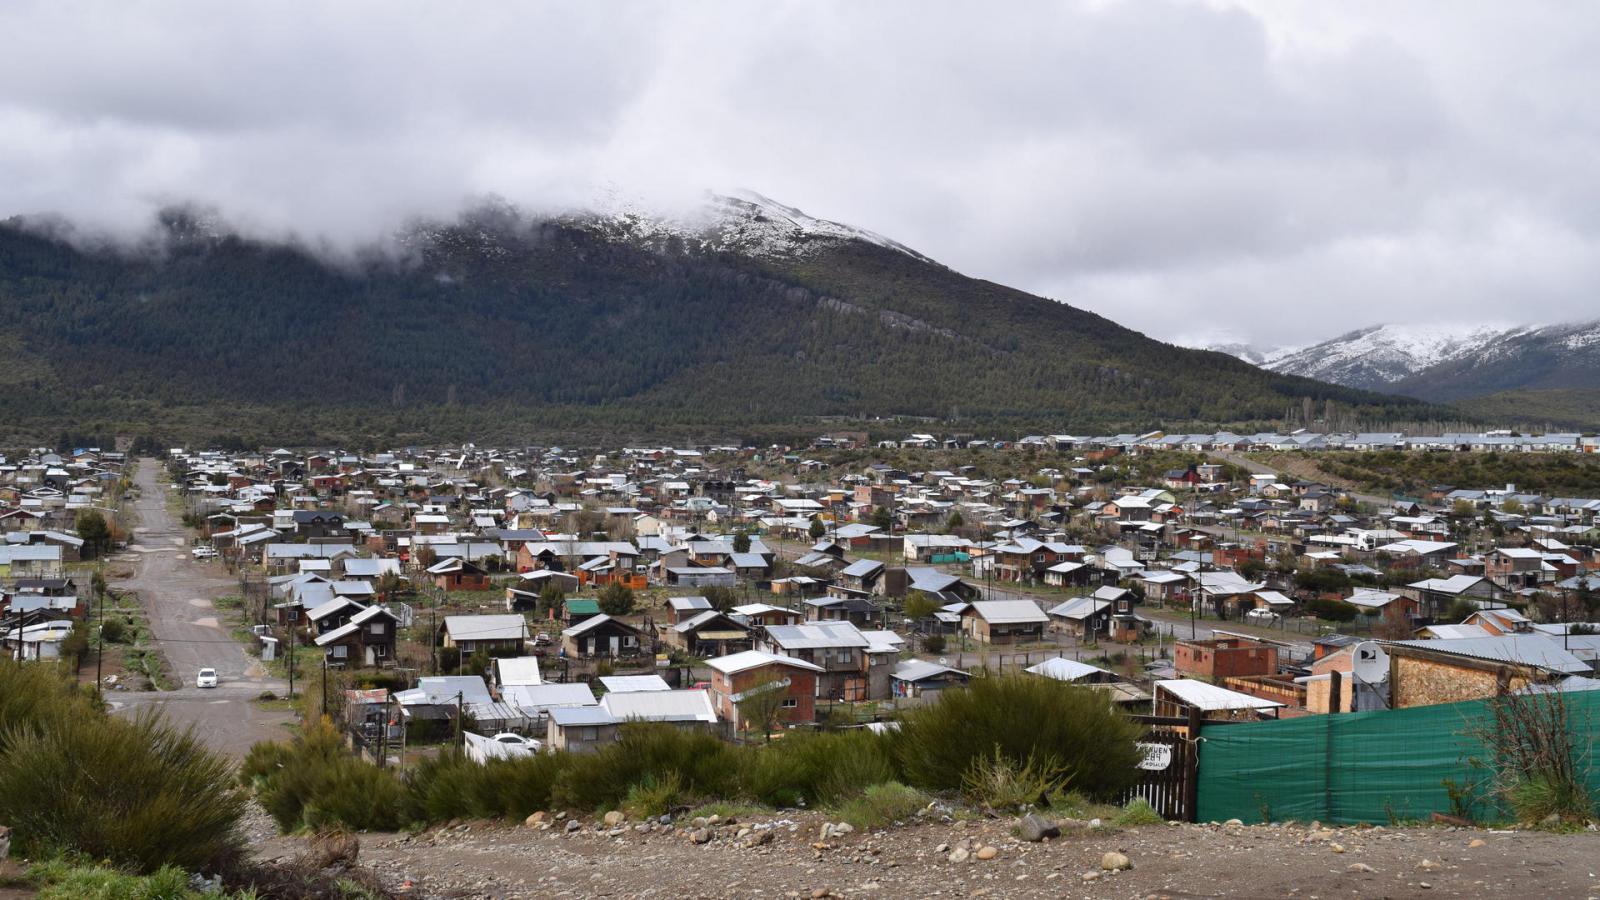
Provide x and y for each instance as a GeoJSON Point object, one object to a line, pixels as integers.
{"type": "Point", "coordinates": [784, 856]}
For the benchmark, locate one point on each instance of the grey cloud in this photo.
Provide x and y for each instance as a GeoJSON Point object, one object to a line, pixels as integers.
{"type": "Point", "coordinates": [1272, 170]}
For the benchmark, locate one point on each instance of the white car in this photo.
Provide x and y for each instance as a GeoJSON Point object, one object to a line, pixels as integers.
{"type": "Point", "coordinates": [517, 740]}
{"type": "Point", "coordinates": [207, 678]}
{"type": "Point", "coordinates": [1262, 614]}
{"type": "Point", "coordinates": [205, 553]}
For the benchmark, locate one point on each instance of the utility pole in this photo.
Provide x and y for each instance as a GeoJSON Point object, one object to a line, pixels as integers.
{"type": "Point", "coordinates": [324, 685]}
{"type": "Point", "coordinates": [383, 736]}
{"type": "Point", "coordinates": [461, 710]}
{"type": "Point", "coordinates": [99, 642]}
{"type": "Point", "coordinates": [292, 649]}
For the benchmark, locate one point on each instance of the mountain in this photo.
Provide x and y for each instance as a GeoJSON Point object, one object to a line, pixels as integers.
{"type": "Point", "coordinates": [744, 313]}
{"type": "Point", "coordinates": [1380, 356]}
{"type": "Point", "coordinates": [1542, 373]}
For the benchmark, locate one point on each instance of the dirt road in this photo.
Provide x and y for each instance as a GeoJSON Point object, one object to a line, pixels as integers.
{"type": "Point", "coordinates": [495, 860]}
{"type": "Point", "coordinates": [178, 593]}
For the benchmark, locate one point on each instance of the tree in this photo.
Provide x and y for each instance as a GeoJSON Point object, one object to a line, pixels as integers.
{"type": "Point", "coordinates": [920, 606]}
{"type": "Point", "coordinates": [550, 598]}
{"type": "Point", "coordinates": [1512, 507]}
{"type": "Point", "coordinates": [616, 599]}
{"type": "Point", "coordinates": [933, 643]}
{"type": "Point", "coordinates": [92, 527]}
{"type": "Point", "coordinates": [427, 556]}
{"type": "Point", "coordinates": [817, 529]}
{"type": "Point", "coordinates": [954, 522]}
{"type": "Point", "coordinates": [762, 704]}
{"type": "Point", "coordinates": [741, 542]}
{"type": "Point", "coordinates": [883, 518]}
{"type": "Point", "coordinates": [721, 598]}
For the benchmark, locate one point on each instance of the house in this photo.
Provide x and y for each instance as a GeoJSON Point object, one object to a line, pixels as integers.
{"type": "Point", "coordinates": [537, 700]}
{"type": "Point", "coordinates": [1062, 669]}
{"type": "Point", "coordinates": [1082, 617]}
{"type": "Point", "coordinates": [680, 609]}
{"type": "Point", "coordinates": [738, 676]}
{"type": "Point", "coordinates": [458, 574]}
{"type": "Point", "coordinates": [622, 684]}
{"type": "Point", "coordinates": [40, 640]}
{"type": "Point", "coordinates": [690, 710]}
{"type": "Point", "coordinates": [494, 634]}
{"type": "Point", "coordinates": [514, 671]}
{"type": "Point", "coordinates": [1176, 696]}
{"type": "Point", "coordinates": [1514, 568]}
{"type": "Point", "coordinates": [763, 614]}
{"type": "Point", "coordinates": [838, 648]}
{"type": "Point", "coordinates": [367, 639]}
{"type": "Point", "coordinates": [913, 678]}
{"type": "Point", "coordinates": [580, 729]}
{"type": "Point", "coordinates": [602, 636]}
{"type": "Point", "coordinates": [856, 610]}
{"type": "Point", "coordinates": [1220, 658]}
{"type": "Point", "coordinates": [710, 633]}
{"type": "Point", "coordinates": [1427, 672]}
{"type": "Point", "coordinates": [1499, 621]}
{"type": "Point", "coordinates": [699, 577]}
{"type": "Point", "coordinates": [1003, 621]}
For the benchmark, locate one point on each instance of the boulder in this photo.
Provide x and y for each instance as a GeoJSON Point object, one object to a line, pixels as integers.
{"type": "Point", "coordinates": [1114, 861]}
{"type": "Point", "coordinates": [1034, 828]}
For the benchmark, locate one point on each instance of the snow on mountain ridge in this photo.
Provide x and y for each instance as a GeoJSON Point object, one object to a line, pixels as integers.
{"type": "Point", "coordinates": [743, 221]}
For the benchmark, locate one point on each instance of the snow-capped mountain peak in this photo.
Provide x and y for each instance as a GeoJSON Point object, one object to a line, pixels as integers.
{"type": "Point", "coordinates": [742, 221]}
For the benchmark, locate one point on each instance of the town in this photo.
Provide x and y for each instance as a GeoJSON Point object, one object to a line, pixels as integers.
{"type": "Point", "coordinates": [537, 601]}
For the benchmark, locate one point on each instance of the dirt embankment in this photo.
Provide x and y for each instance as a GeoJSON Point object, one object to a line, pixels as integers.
{"type": "Point", "coordinates": [784, 855]}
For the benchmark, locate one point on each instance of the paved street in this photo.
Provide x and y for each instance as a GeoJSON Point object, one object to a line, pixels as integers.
{"type": "Point", "coordinates": [177, 594]}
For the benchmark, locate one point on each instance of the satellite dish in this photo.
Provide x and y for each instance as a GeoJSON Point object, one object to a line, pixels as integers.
{"type": "Point", "coordinates": [1370, 663]}
{"type": "Point", "coordinates": [943, 661]}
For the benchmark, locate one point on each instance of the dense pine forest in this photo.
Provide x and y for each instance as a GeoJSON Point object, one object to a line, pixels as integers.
{"type": "Point", "coordinates": [505, 326]}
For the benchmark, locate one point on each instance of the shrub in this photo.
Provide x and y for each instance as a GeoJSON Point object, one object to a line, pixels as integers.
{"type": "Point", "coordinates": [31, 696]}
{"type": "Point", "coordinates": [999, 782]}
{"type": "Point", "coordinates": [653, 795]}
{"type": "Point", "coordinates": [113, 630]}
{"type": "Point", "coordinates": [1138, 812]}
{"type": "Point", "coordinates": [882, 804]}
{"type": "Point", "coordinates": [1027, 720]}
{"type": "Point", "coordinates": [312, 783]}
{"type": "Point", "coordinates": [705, 765]}
{"type": "Point", "coordinates": [818, 768]}
{"type": "Point", "coordinates": [139, 793]}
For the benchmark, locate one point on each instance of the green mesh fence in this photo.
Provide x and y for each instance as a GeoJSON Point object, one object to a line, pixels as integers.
{"type": "Point", "coordinates": [1378, 767]}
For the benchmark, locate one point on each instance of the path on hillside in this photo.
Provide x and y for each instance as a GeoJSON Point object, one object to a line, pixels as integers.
{"type": "Point", "coordinates": [1306, 470]}
{"type": "Point", "coordinates": [177, 593]}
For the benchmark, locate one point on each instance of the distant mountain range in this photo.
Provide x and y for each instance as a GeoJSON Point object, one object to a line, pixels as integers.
{"type": "Point", "coordinates": [747, 312]}
{"type": "Point", "coordinates": [1546, 371]}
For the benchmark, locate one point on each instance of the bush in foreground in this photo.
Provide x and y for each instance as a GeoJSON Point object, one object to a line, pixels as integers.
{"type": "Point", "coordinates": [311, 783]}
{"type": "Point", "coordinates": [139, 793]}
{"type": "Point", "coordinates": [1072, 732]}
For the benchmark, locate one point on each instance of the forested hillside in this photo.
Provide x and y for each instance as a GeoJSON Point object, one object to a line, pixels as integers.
{"type": "Point", "coordinates": [503, 323]}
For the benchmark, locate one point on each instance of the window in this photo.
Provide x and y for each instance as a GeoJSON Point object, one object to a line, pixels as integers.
{"type": "Point", "coordinates": [845, 656]}
{"type": "Point", "coordinates": [377, 627]}
{"type": "Point", "coordinates": [790, 703]}
{"type": "Point", "coordinates": [340, 651]}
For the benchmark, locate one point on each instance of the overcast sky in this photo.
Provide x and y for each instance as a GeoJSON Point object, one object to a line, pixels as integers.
{"type": "Point", "coordinates": [1270, 171]}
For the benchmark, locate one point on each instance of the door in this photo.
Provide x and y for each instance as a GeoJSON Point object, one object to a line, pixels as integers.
{"type": "Point", "coordinates": [616, 645]}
